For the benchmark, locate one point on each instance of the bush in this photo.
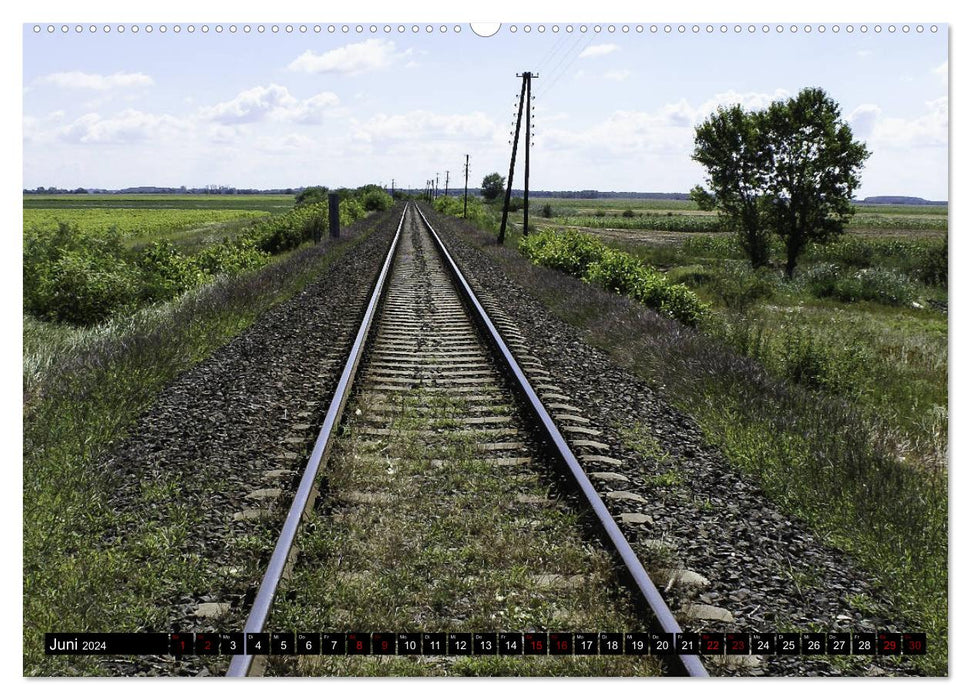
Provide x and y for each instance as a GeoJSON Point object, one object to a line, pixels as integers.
{"type": "Point", "coordinates": [932, 265]}
{"type": "Point", "coordinates": [876, 284]}
{"type": "Point", "coordinates": [230, 258]}
{"type": "Point", "coordinates": [582, 255]}
{"type": "Point", "coordinates": [76, 277]}
{"type": "Point", "coordinates": [628, 214]}
{"type": "Point", "coordinates": [547, 211]}
{"type": "Point", "coordinates": [376, 199]}
{"type": "Point", "coordinates": [167, 273]}
{"type": "Point", "coordinates": [619, 272]}
{"type": "Point", "coordinates": [820, 280]}
{"type": "Point", "coordinates": [569, 252]}
{"type": "Point", "coordinates": [85, 289]}
{"type": "Point", "coordinates": [311, 195]}
{"type": "Point", "coordinates": [739, 286]}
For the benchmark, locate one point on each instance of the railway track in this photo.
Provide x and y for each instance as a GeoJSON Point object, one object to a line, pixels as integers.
{"type": "Point", "coordinates": [445, 457]}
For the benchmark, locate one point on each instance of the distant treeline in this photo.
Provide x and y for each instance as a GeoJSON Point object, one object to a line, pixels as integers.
{"type": "Point", "coordinates": [902, 200]}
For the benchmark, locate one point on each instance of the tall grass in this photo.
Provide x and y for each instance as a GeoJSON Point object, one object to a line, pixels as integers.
{"type": "Point", "coordinates": [813, 452]}
{"type": "Point", "coordinates": [83, 388]}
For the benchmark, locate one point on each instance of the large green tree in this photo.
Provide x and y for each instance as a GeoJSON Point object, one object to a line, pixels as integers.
{"type": "Point", "coordinates": [730, 145]}
{"type": "Point", "coordinates": [814, 167]}
{"type": "Point", "coordinates": [492, 186]}
{"type": "Point", "coordinates": [791, 168]}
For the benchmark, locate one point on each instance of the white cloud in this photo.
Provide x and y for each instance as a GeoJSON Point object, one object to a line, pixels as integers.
{"type": "Point", "coordinates": [668, 129]}
{"type": "Point", "coordinates": [424, 125]}
{"type": "Point", "coordinates": [270, 102]}
{"type": "Point", "coordinates": [941, 72]}
{"type": "Point", "coordinates": [863, 119]}
{"type": "Point", "coordinates": [373, 54]}
{"type": "Point", "coordinates": [95, 81]}
{"type": "Point", "coordinates": [925, 131]}
{"type": "Point", "coordinates": [617, 75]}
{"type": "Point", "coordinates": [864, 53]}
{"type": "Point", "coordinates": [127, 126]}
{"type": "Point", "coordinates": [598, 50]}
{"type": "Point", "coordinates": [250, 105]}
{"type": "Point", "coordinates": [312, 110]}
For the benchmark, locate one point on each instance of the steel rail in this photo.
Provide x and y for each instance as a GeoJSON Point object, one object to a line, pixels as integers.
{"type": "Point", "coordinates": [240, 663]}
{"type": "Point", "coordinates": [690, 663]}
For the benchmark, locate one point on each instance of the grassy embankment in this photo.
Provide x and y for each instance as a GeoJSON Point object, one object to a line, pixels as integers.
{"type": "Point", "coordinates": [840, 410]}
{"type": "Point", "coordinates": [83, 388]}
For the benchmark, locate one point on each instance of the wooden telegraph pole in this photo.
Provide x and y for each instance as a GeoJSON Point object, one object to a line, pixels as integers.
{"type": "Point", "coordinates": [446, 183]}
{"type": "Point", "coordinates": [465, 207]}
{"type": "Point", "coordinates": [524, 98]}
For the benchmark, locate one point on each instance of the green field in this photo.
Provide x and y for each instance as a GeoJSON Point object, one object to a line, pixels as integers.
{"type": "Point", "coordinates": [260, 202]}
{"type": "Point", "coordinates": [682, 215]}
{"type": "Point", "coordinates": [187, 227]}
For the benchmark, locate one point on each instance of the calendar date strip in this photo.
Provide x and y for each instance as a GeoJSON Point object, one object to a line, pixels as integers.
{"type": "Point", "coordinates": [488, 643]}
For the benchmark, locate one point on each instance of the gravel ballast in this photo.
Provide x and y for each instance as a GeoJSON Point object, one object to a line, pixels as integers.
{"type": "Point", "coordinates": [750, 567]}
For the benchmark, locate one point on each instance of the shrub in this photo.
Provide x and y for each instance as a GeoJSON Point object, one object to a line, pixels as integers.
{"type": "Point", "coordinates": [230, 258]}
{"type": "Point", "coordinates": [166, 272]}
{"type": "Point", "coordinates": [582, 255]}
{"type": "Point", "coordinates": [739, 287]}
{"type": "Point", "coordinates": [76, 277]}
{"type": "Point", "coordinates": [376, 199]}
{"type": "Point", "coordinates": [569, 252]}
{"type": "Point", "coordinates": [932, 265]}
{"type": "Point", "coordinates": [628, 214]}
{"type": "Point", "coordinates": [821, 279]}
{"type": "Point", "coordinates": [547, 211]}
{"type": "Point", "coordinates": [875, 284]}
{"type": "Point", "coordinates": [311, 195]}
{"type": "Point", "coordinates": [618, 271]}
{"type": "Point", "coordinates": [86, 289]}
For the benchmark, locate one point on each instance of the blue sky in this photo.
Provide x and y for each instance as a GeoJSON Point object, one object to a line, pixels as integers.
{"type": "Point", "coordinates": [614, 110]}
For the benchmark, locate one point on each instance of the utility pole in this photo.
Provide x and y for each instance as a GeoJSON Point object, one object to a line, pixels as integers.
{"type": "Point", "coordinates": [436, 185]}
{"type": "Point", "coordinates": [446, 183]}
{"type": "Point", "coordinates": [529, 137]}
{"type": "Point", "coordinates": [465, 208]}
{"type": "Point", "coordinates": [524, 98]}
{"type": "Point", "coordinates": [392, 188]}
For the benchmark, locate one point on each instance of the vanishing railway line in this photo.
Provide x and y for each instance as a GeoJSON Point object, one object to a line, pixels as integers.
{"type": "Point", "coordinates": [444, 459]}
